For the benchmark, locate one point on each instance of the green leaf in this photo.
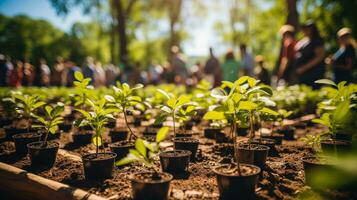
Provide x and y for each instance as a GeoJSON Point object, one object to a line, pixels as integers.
{"type": "Point", "coordinates": [127, 160]}
{"type": "Point", "coordinates": [171, 102]}
{"type": "Point", "coordinates": [219, 93]}
{"type": "Point", "coordinates": [140, 147]}
{"type": "Point", "coordinates": [183, 99]}
{"type": "Point", "coordinates": [161, 134]}
{"type": "Point", "coordinates": [252, 82]}
{"type": "Point", "coordinates": [48, 110]}
{"type": "Point", "coordinates": [214, 115]}
{"type": "Point", "coordinates": [320, 121]}
{"type": "Point", "coordinates": [227, 84]}
{"type": "Point", "coordinates": [241, 80]}
{"type": "Point", "coordinates": [109, 98]}
{"type": "Point", "coordinates": [78, 75]}
{"type": "Point", "coordinates": [269, 111]}
{"type": "Point", "coordinates": [57, 111]}
{"type": "Point", "coordinates": [137, 86]}
{"type": "Point", "coordinates": [247, 105]}
{"type": "Point", "coordinates": [94, 140]}
{"type": "Point", "coordinates": [164, 93]}
{"type": "Point", "coordinates": [326, 81]}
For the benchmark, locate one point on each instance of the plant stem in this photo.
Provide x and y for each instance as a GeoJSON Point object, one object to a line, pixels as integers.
{"type": "Point", "coordinates": [127, 124]}
{"type": "Point", "coordinates": [251, 129]}
{"type": "Point", "coordinates": [233, 132]}
{"type": "Point", "coordinates": [173, 120]}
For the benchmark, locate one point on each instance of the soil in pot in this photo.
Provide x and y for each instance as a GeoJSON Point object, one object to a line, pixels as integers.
{"type": "Point", "coordinates": [82, 137]}
{"type": "Point", "coordinates": [121, 148]}
{"type": "Point", "coordinates": [267, 142]}
{"type": "Point", "coordinates": [21, 140]}
{"type": "Point", "coordinates": [288, 132]}
{"type": "Point", "coordinates": [330, 146]}
{"type": "Point", "coordinates": [231, 185]}
{"type": "Point", "coordinates": [210, 133]}
{"type": "Point", "coordinates": [186, 143]}
{"type": "Point", "coordinates": [252, 154]}
{"type": "Point", "coordinates": [10, 131]}
{"type": "Point", "coordinates": [175, 162]}
{"type": "Point", "coordinates": [184, 133]}
{"type": "Point", "coordinates": [98, 166]}
{"type": "Point", "coordinates": [43, 156]}
{"type": "Point", "coordinates": [150, 185]}
{"type": "Point", "coordinates": [118, 135]}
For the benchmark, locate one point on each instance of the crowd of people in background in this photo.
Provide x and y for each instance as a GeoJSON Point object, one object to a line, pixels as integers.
{"type": "Point", "coordinates": [300, 62]}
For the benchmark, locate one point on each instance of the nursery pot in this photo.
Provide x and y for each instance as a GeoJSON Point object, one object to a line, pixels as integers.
{"type": "Point", "coordinates": [5, 121]}
{"type": "Point", "coordinates": [252, 154]}
{"type": "Point", "coordinates": [111, 123]}
{"type": "Point", "coordinates": [222, 138]}
{"type": "Point", "coordinates": [210, 133]}
{"type": "Point", "coordinates": [343, 136]}
{"type": "Point", "coordinates": [98, 167]}
{"type": "Point", "coordinates": [175, 162]}
{"type": "Point", "coordinates": [288, 132]}
{"type": "Point", "coordinates": [150, 131]}
{"type": "Point", "coordinates": [267, 142]}
{"type": "Point", "coordinates": [121, 149]}
{"type": "Point", "coordinates": [328, 146]}
{"type": "Point", "coordinates": [242, 131]}
{"type": "Point", "coordinates": [231, 185]}
{"type": "Point", "coordinates": [186, 143]}
{"type": "Point", "coordinates": [278, 138]}
{"type": "Point", "coordinates": [189, 125]}
{"type": "Point", "coordinates": [150, 185]}
{"type": "Point", "coordinates": [118, 135]}
{"type": "Point", "coordinates": [10, 131]}
{"type": "Point", "coordinates": [65, 127]}
{"type": "Point", "coordinates": [314, 166]}
{"type": "Point", "coordinates": [137, 121]}
{"type": "Point", "coordinates": [184, 133]}
{"type": "Point", "coordinates": [82, 137]}
{"type": "Point", "coordinates": [43, 156]}
{"type": "Point", "coordinates": [21, 140]}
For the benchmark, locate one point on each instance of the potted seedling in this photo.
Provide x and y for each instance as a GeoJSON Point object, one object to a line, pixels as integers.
{"type": "Point", "coordinates": [215, 127]}
{"type": "Point", "coordinates": [98, 165]}
{"type": "Point", "coordinates": [174, 107]}
{"type": "Point", "coordinates": [43, 153]}
{"type": "Point", "coordinates": [82, 92]}
{"type": "Point", "coordinates": [287, 131]}
{"type": "Point", "coordinates": [26, 106]}
{"type": "Point", "coordinates": [123, 99]}
{"type": "Point", "coordinates": [151, 185]}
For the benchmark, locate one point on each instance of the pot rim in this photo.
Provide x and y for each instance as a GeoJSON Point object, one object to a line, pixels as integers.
{"type": "Point", "coordinates": [133, 179]}
{"type": "Point", "coordinates": [36, 134]}
{"type": "Point", "coordinates": [30, 145]}
{"type": "Point", "coordinates": [191, 140]}
{"type": "Point", "coordinates": [186, 153]}
{"type": "Point", "coordinates": [306, 160]}
{"type": "Point", "coordinates": [264, 146]}
{"type": "Point", "coordinates": [215, 170]}
{"type": "Point", "coordinates": [114, 155]}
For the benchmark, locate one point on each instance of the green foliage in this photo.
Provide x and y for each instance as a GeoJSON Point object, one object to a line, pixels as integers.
{"type": "Point", "coordinates": [82, 90]}
{"type": "Point", "coordinates": [51, 120]}
{"type": "Point", "coordinates": [144, 151]}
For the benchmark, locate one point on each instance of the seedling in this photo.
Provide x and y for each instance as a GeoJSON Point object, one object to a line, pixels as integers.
{"type": "Point", "coordinates": [179, 108]}
{"type": "Point", "coordinates": [50, 122]}
{"type": "Point", "coordinates": [82, 90]}
{"type": "Point", "coordinates": [125, 99]}
{"type": "Point", "coordinates": [97, 118]}
{"type": "Point", "coordinates": [144, 151]}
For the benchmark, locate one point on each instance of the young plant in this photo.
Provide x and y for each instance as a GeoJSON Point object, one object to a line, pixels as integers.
{"type": "Point", "coordinates": [82, 90]}
{"type": "Point", "coordinates": [26, 105]}
{"type": "Point", "coordinates": [97, 118]}
{"type": "Point", "coordinates": [50, 122]}
{"type": "Point", "coordinates": [144, 151]}
{"type": "Point", "coordinates": [125, 99]}
{"type": "Point", "coordinates": [179, 108]}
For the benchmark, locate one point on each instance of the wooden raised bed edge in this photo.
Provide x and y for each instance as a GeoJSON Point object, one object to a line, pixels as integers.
{"type": "Point", "coordinates": [24, 185]}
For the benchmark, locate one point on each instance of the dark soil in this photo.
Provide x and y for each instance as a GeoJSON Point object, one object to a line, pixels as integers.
{"type": "Point", "coordinates": [150, 177]}
{"type": "Point", "coordinates": [282, 177]}
{"type": "Point", "coordinates": [233, 170]}
{"type": "Point", "coordinates": [177, 153]}
{"type": "Point", "coordinates": [40, 145]}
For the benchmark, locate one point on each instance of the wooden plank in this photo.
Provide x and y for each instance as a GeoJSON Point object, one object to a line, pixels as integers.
{"type": "Point", "coordinates": [27, 186]}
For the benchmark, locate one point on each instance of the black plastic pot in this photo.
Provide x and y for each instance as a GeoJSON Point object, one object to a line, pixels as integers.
{"type": "Point", "coordinates": [175, 162]}
{"type": "Point", "coordinates": [313, 166]}
{"type": "Point", "coordinates": [242, 131]}
{"type": "Point", "coordinates": [121, 149]}
{"type": "Point", "coordinates": [210, 133]}
{"type": "Point", "coordinates": [341, 147]}
{"type": "Point", "coordinates": [343, 136]}
{"type": "Point", "coordinates": [222, 138]}
{"type": "Point", "coordinates": [150, 185]}
{"type": "Point", "coordinates": [5, 121]}
{"type": "Point", "coordinates": [150, 131]}
{"type": "Point", "coordinates": [137, 121]}
{"type": "Point", "coordinates": [82, 138]}
{"type": "Point", "coordinates": [288, 132]}
{"type": "Point", "coordinates": [65, 127]}
{"type": "Point", "coordinates": [267, 142]}
{"type": "Point", "coordinates": [98, 167]}
{"type": "Point", "coordinates": [43, 156]}
{"type": "Point", "coordinates": [278, 138]}
{"type": "Point", "coordinates": [233, 186]}
{"type": "Point", "coordinates": [10, 131]}
{"type": "Point", "coordinates": [186, 143]}
{"type": "Point", "coordinates": [184, 133]}
{"type": "Point", "coordinates": [118, 135]}
{"type": "Point", "coordinates": [21, 140]}
{"type": "Point", "coordinates": [111, 123]}
{"type": "Point", "coordinates": [254, 154]}
{"type": "Point", "coordinates": [189, 125]}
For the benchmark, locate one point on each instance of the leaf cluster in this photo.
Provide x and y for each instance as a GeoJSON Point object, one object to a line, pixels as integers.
{"type": "Point", "coordinates": [52, 118]}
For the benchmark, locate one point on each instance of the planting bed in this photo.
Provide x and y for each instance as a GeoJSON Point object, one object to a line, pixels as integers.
{"type": "Point", "coordinates": [282, 177]}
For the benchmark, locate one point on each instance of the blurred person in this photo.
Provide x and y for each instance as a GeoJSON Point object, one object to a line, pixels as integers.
{"type": "Point", "coordinates": [168, 75]}
{"type": "Point", "coordinates": [344, 60]}
{"type": "Point", "coordinates": [89, 69]}
{"type": "Point", "coordinates": [178, 65]}
{"type": "Point", "coordinates": [111, 74]}
{"type": "Point", "coordinates": [230, 67]}
{"type": "Point", "coordinates": [212, 69]}
{"type": "Point", "coordinates": [45, 73]}
{"type": "Point", "coordinates": [28, 74]}
{"type": "Point", "coordinates": [284, 71]}
{"type": "Point", "coordinates": [16, 74]}
{"type": "Point", "coordinates": [58, 77]}
{"type": "Point", "coordinates": [3, 71]}
{"type": "Point", "coordinates": [134, 74]}
{"type": "Point", "coordinates": [309, 58]}
{"type": "Point", "coordinates": [247, 60]}
{"type": "Point", "coordinates": [99, 75]}
{"type": "Point", "coordinates": [71, 69]}
{"type": "Point", "coordinates": [260, 71]}
{"type": "Point", "coordinates": [196, 74]}
{"type": "Point", "coordinates": [154, 73]}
